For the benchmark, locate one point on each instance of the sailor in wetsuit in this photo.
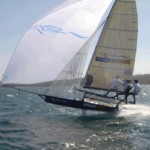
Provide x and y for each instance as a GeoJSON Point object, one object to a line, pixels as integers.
{"type": "Point", "coordinates": [134, 90]}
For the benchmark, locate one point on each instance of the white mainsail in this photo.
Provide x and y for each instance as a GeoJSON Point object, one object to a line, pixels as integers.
{"type": "Point", "coordinates": [116, 48]}
{"type": "Point", "coordinates": [52, 42]}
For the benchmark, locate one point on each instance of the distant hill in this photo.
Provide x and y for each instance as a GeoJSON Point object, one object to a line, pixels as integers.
{"type": "Point", "coordinates": [143, 78]}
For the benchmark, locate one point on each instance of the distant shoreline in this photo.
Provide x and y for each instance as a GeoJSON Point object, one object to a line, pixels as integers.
{"type": "Point", "coordinates": [142, 78]}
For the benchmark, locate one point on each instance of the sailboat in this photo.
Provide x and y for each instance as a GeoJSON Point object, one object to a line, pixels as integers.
{"type": "Point", "coordinates": [77, 49]}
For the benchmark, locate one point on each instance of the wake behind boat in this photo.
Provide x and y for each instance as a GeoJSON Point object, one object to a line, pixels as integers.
{"type": "Point", "coordinates": [79, 47]}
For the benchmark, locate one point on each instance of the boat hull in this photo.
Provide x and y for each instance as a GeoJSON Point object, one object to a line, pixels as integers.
{"type": "Point", "coordinates": [78, 104]}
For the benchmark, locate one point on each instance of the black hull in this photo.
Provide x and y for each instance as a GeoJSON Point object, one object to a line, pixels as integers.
{"type": "Point", "coordinates": [77, 104]}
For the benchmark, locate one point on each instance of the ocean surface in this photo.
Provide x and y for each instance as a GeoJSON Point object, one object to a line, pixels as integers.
{"type": "Point", "coordinates": [28, 123]}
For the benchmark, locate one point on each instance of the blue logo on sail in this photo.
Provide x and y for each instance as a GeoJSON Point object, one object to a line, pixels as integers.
{"type": "Point", "coordinates": [112, 60]}
{"type": "Point", "coordinates": [49, 28]}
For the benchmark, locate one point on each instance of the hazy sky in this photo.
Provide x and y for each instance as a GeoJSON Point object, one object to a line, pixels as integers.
{"type": "Point", "coordinates": [16, 16]}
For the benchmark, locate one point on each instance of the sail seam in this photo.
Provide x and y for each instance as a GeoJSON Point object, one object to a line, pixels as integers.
{"type": "Point", "coordinates": [126, 1]}
{"type": "Point", "coordinates": [122, 30]}
{"type": "Point", "coordinates": [108, 68]}
{"type": "Point", "coordinates": [117, 14]}
{"type": "Point", "coordinates": [116, 48]}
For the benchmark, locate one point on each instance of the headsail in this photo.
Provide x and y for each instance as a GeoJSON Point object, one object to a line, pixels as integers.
{"type": "Point", "coordinates": [52, 42]}
{"type": "Point", "coordinates": [116, 48]}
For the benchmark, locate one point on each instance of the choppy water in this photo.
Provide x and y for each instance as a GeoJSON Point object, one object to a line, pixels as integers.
{"type": "Point", "coordinates": [28, 123]}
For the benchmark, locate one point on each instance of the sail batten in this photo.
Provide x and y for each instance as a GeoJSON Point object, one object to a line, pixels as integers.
{"type": "Point", "coordinates": [123, 14]}
{"type": "Point", "coordinates": [126, 1]}
{"type": "Point", "coordinates": [122, 30]}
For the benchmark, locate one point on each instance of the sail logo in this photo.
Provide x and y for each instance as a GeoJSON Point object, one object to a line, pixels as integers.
{"type": "Point", "coordinates": [49, 28]}
{"type": "Point", "coordinates": [112, 60]}
{"type": "Point", "coordinates": [128, 72]}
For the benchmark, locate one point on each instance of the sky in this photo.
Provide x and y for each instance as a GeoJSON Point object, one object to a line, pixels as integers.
{"type": "Point", "coordinates": [16, 16]}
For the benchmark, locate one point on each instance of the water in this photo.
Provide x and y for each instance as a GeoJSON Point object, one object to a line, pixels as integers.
{"type": "Point", "coordinates": [28, 123]}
